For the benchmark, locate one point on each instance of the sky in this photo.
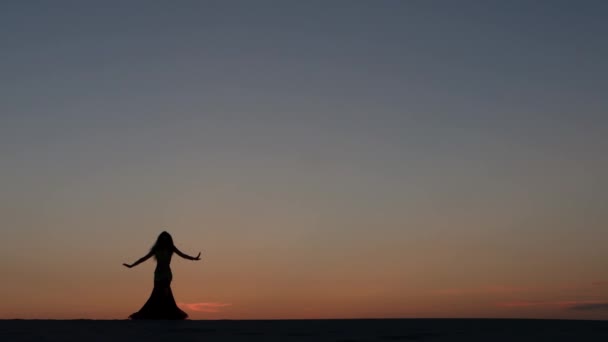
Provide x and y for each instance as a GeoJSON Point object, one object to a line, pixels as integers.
{"type": "Point", "coordinates": [330, 159]}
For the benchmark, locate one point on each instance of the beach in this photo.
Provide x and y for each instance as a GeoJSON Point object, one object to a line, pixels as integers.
{"type": "Point", "coordinates": [304, 330]}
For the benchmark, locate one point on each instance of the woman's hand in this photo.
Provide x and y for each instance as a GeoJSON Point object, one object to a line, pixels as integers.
{"type": "Point", "coordinates": [127, 265]}
{"type": "Point", "coordinates": [198, 257]}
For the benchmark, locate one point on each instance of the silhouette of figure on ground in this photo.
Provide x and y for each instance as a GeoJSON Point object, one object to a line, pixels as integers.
{"type": "Point", "coordinates": [161, 304]}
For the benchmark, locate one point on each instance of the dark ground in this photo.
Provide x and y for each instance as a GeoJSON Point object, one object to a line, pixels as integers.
{"type": "Point", "coordinates": [304, 330]}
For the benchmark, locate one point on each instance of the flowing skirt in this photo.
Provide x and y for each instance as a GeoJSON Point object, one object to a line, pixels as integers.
{"type": "Point", "coordinates": [161, 304]}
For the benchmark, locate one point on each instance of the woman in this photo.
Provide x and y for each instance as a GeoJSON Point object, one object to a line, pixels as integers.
{"type": "Point", "coordinates": [161, 304]}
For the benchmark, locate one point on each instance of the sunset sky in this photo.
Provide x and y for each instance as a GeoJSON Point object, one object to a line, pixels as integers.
{"type": "Point", "coordinates": [331, 159]}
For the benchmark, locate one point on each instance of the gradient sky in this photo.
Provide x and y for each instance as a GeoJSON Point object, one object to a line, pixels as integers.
{"type": "Point", "coordinates": [329, 158]}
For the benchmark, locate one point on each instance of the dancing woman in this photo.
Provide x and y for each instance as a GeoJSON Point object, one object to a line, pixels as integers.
{"type": "Point", "coordinates": [161, 304]}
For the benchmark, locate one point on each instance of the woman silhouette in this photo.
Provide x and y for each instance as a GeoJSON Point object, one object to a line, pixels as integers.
{"type": "Point", "coordinates": [161, 304]}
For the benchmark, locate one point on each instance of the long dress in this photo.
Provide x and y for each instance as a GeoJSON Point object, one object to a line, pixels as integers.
{"type": "Point", "coordinates": [161, 304]}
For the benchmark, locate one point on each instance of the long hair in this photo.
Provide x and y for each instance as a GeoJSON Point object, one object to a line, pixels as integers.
{"type": "Point", "coordinates": [164, 242]}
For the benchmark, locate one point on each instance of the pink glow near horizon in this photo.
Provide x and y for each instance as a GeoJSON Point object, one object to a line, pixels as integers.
{"type": "Point", "coordinates": [204, 307]}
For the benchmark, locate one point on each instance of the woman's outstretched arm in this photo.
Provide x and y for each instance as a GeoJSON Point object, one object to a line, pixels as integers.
{"type": "Point", "coordinates": [142, 259]}
{"type": "Point", "coordinates": [186, 256]}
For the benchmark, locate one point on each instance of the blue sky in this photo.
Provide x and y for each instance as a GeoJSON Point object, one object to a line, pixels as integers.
{"type": "Point", "coordinates": [405, 123]}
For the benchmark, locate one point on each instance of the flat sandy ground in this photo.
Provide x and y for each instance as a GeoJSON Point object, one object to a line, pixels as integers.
{"type": "Point", "coordinates": [304, 330]}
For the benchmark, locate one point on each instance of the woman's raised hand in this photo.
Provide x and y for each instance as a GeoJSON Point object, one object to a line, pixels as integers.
{"type": "Point", "coordinates": [198, 257]}
{"type": "Point", "coordinates": [127, 265]}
